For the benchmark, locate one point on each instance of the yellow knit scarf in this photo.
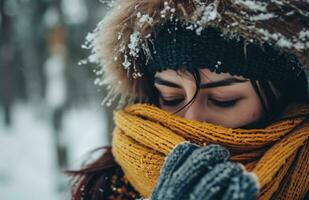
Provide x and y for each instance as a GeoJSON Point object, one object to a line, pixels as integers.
{"type": "Point", "coordinates": [278, 154]}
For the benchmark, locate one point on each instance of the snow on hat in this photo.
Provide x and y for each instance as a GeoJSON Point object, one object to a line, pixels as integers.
{"type": "Point", "coordinates": [126, 33]}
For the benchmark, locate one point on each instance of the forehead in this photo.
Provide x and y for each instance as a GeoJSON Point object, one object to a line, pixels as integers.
{"type": "Point", "coordinates": [205, 74]}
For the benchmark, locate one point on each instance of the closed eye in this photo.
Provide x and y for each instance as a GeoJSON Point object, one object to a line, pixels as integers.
{"type": "Point", "coordinates": [223, 104]}
{"type": "Point", "coordinates": [173, 102]}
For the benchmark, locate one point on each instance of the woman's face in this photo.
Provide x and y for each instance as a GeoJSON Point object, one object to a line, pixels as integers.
{"type": "Point", "coordinates": [223, 99]}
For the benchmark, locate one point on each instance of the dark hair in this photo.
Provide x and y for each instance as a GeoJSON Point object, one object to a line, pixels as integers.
{"type": "Point", "coordinates": [93, 178]}
{"type": "Point", "coordinates": [276, 96]}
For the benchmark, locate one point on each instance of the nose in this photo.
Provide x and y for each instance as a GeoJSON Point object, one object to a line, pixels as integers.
{"type": "Point", "coordinates": [194, 112]}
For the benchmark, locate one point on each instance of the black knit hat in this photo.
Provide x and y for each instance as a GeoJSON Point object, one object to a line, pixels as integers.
{"type": "Point", "coordinates": [176, 46]}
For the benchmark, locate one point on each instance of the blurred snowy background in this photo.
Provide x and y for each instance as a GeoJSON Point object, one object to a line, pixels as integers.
{"type": "Point", "coordinates": [50, 112]}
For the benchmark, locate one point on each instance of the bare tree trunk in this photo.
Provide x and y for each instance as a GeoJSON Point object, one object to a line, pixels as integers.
{"type": "Point", "coordinates": [61, 148]}
{"type": "Point", "coordinates": [29, 43]}
{"type": "Point", "coordinates": [7, 68]}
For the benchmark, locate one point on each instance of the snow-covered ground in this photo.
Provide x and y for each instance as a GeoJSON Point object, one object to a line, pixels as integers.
{"type": "Point", "coordinates": [28, 168]}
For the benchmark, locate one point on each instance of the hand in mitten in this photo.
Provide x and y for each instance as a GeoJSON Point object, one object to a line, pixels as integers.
{"type": "Point", "coordinates": [201, 173]}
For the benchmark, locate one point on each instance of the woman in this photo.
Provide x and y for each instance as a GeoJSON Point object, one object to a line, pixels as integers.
{"type": "Point", "coordinates": [227, 104]}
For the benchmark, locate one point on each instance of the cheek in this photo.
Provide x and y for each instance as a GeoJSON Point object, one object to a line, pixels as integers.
{"type": "Point", "coordinates": [251, 111]}
{"type": "Point", "coordinates": [246, 112]}
{"type": "Point", "coordinates": [168, 108]}
{"type": "Point", "coordinates": [255, 115]}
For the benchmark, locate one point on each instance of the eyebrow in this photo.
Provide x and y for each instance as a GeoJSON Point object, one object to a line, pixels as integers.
{"type": "Point", "coordinates": [220, 83]}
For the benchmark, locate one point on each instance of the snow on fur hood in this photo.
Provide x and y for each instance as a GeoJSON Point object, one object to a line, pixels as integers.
{"type": "Point", "coordinates": [127, 27]}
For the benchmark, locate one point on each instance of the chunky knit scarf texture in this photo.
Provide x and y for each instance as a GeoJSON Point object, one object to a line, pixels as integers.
{"type": "Point", "coordinates": [278, 155]}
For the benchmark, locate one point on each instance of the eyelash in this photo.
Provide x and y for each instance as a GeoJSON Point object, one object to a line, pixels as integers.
{"type": "Point", "coordinates": [173, 102]}
{"type": "Point", "coordinates": [222, 104]}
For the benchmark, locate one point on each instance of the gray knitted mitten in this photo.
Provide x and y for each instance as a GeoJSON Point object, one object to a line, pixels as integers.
{"type": "Point", "coordinates": [202, 173]}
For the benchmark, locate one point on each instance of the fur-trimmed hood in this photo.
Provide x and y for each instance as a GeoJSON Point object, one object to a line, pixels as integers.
{"type": "Point", "coordinates": [126, 29]}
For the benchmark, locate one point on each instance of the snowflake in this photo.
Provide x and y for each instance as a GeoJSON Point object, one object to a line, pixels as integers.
{"type": "Point", "coordinates": [133, 45]}
{"type": "Point", "coordinates": [126, 62]}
